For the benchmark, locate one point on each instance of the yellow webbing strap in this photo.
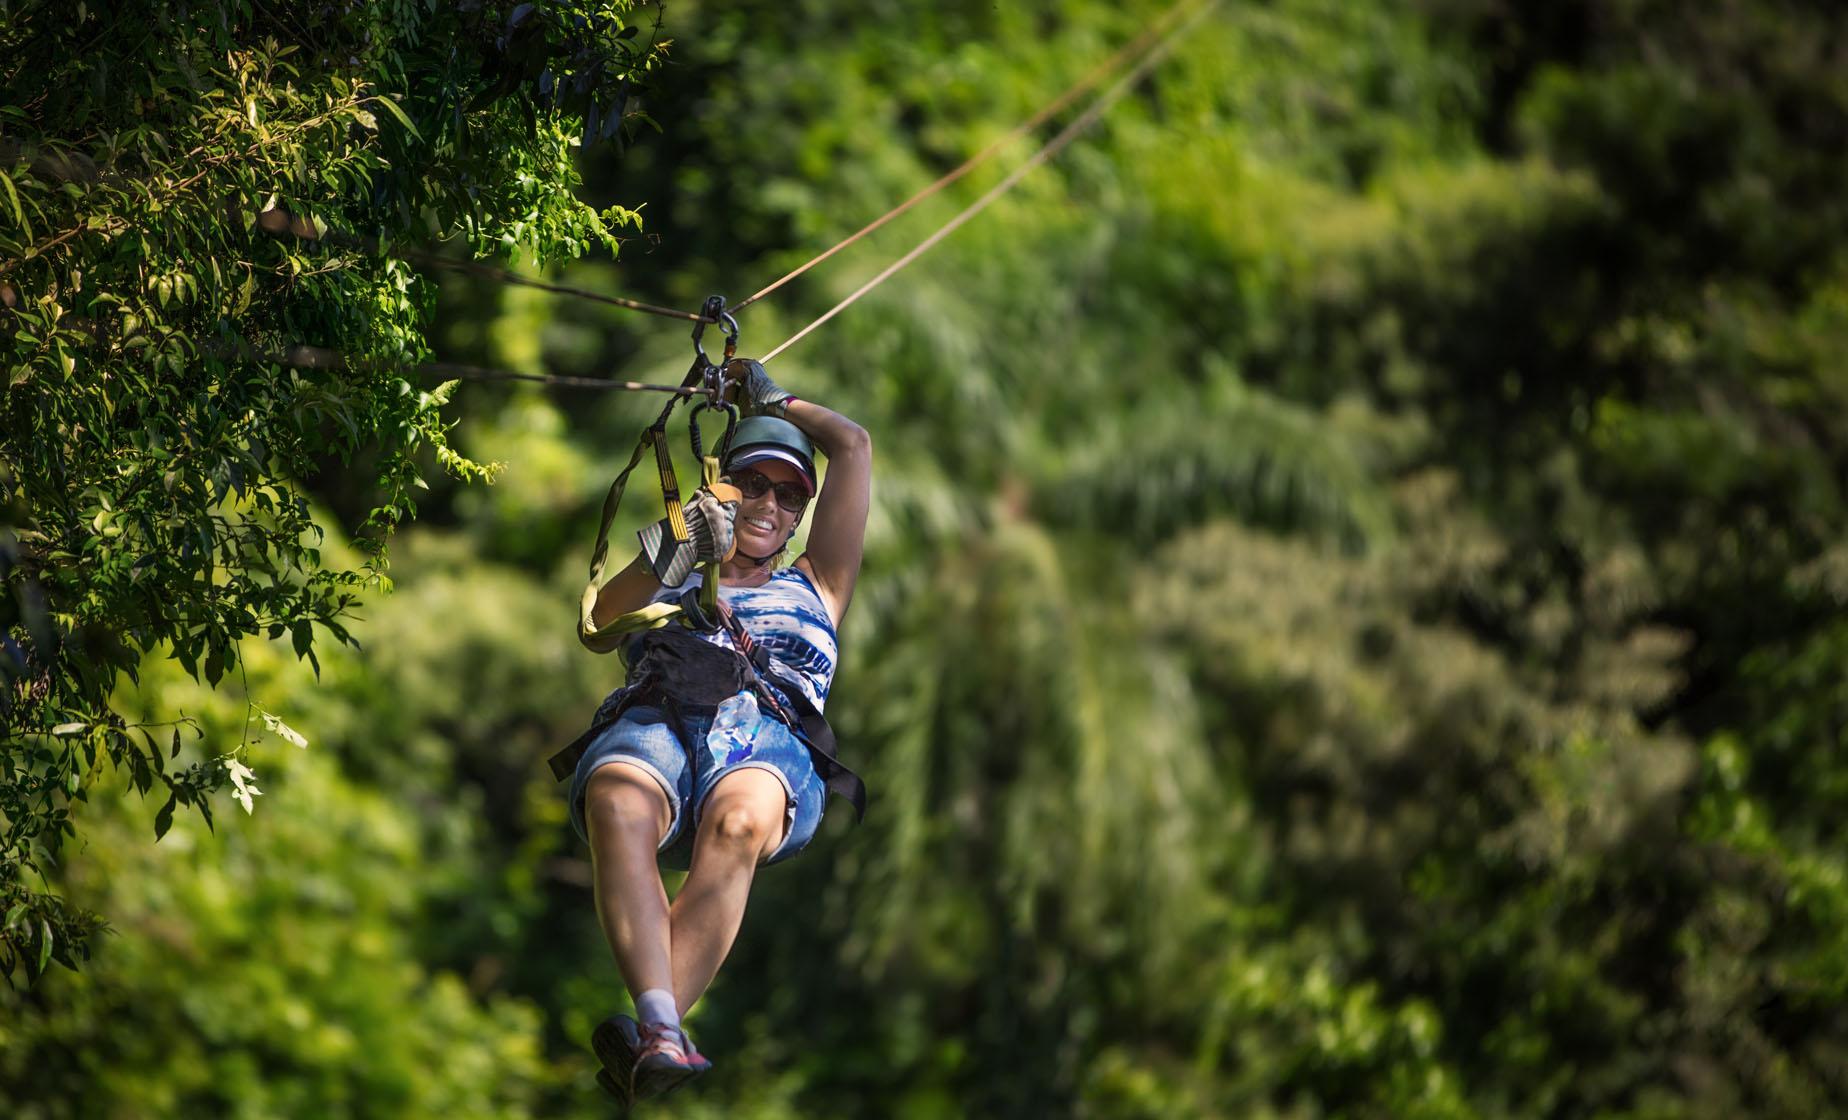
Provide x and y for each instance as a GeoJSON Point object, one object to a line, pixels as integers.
{"type": "Point", "coordinates": [603, 639]}
{"type": "Point", "coordinates": [709, 586]}
{"type": "Point", "coordinates": [670, 486]}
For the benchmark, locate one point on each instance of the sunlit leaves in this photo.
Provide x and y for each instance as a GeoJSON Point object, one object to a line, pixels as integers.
{"type": "Point", "coordinates": [153, 431]}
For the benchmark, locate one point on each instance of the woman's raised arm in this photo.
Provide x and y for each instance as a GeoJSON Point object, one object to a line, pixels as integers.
{"type": "Point", "coordinates": [837, 538]}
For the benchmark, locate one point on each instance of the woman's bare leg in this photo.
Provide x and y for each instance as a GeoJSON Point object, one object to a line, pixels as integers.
{"type": "Point", "coordinates": [626, 813]}
{"type": "Point", "coordinates": [741, 824]}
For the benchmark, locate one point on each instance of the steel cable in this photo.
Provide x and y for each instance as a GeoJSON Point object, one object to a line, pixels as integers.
{"type": "Point", "coordinates": [1051, 148]}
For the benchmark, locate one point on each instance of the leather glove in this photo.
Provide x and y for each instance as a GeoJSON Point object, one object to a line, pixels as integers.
{"type": "Point", "coordinates": [755, 393]}
{"type": "Point", "coordinates": [709, 537]}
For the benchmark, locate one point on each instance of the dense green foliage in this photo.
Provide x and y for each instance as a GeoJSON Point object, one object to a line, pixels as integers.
{"type": "Point", "coordinates": [1353, 622]}
{"type": "Point", "coordinates": [154, 433]}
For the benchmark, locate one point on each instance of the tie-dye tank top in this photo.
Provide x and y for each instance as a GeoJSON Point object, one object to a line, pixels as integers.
{"type": "Point", "coordinates": [787, 617]}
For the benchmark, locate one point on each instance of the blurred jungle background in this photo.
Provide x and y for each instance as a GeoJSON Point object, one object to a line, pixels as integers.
{"type": "Point", "coordinates": [1353, 620]}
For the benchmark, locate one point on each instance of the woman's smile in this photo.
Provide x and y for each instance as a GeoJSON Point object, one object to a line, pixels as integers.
{"type": "Point", "coordinates": [763, 524]}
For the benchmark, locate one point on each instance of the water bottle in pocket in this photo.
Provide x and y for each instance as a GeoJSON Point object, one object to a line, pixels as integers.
{"type": "Point", "coordinates": [733, 730]}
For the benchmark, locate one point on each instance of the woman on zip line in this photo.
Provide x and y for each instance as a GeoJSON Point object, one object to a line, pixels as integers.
{"type": "Point", "coordinates": [734, 787]}
{"type": "Point", "coordinates": [716, 751]}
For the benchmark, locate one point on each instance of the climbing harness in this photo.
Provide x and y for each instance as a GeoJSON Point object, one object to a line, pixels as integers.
{"type": "Point", "coordinates": [674, 669]}
{"type": "Point", "coordinates": [671, 665]}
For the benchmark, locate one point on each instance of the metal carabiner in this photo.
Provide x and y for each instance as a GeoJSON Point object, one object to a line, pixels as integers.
{"type": "Point", "coordinates": [713, 311]}
{"type": "Point", "coordinates": [731, 422]}
{"type": "Point", "coordinates": [731, 336]}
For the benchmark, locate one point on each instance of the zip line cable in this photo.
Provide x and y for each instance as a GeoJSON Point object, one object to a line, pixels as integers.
{"type": "Point", "coordinates": [1164, 33]}
{"type": "Point", "coordinates": [1052, 147]}
{"type": "Point", "coordinates": [484, 373]}
{"type": "Point", "coordinates": [319, 357]}
{"type": "Point", "coordinates": [1045, 113]}
{"type": "Point", "coordinates": [507, 276]}
{"type": "Point", "coordinates": [279, 221]}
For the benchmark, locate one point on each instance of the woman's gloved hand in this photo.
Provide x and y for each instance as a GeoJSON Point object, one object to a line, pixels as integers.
{"type": "Point", "coordinates": [709, 537]}
{"type": "Point", "coordinates": [752, 389]}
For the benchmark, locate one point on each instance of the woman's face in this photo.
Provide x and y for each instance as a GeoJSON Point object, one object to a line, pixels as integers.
{"type": "Point", "coordinates": [763, 526]}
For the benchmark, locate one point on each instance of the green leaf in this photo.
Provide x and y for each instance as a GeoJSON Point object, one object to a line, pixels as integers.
{"type": "Point", "coordinates": [440, 395]}
{"type": "Point", "coordinates": [392, 108]}
{"type": "Point", "coordinates": [19, 212]}
{"type": "Point", "coordinates": [69, 728]}
{"type": "Point", "coordinates": [46, 941]}
{"type": "Point", "coordinates": [163, 820]}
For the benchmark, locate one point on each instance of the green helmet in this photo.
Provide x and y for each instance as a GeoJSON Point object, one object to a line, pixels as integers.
{"type": "Point", "coordinates": [757, 438]}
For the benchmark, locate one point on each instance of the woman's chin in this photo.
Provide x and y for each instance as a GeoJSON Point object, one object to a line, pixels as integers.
{"type": "Point", "coordinates": [757, 544]}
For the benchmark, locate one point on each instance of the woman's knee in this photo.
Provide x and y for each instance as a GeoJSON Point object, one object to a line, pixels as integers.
{"type": "Point", "coordinates": [626, 800]}
{"type": "Point", "coordinates": [745, 828]}
{"type": "Point", "coordinates": [747, 817]}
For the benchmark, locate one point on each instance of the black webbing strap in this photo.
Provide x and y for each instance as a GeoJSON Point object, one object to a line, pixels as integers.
{"type": "Point", "coordinates": [655, 434]}
{"type": "Point", "coordinates": [563, 762]}
{"type": "Point", "coordinates": [669, 483]}
{"type": "Point", "coordinates": [603, 639]}
{"type": "Point", "coordinates": [823, 749]}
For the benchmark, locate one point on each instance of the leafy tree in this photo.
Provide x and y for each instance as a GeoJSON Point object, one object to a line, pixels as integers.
{"type": "Point", "coordinates": [1352, 615]}
{"type": "Point", "coordinates": [265, 970]}
{"type": "Point", "coordinates": [1520, 332]}
{"type": "Point", "coordinates": [168, 168]}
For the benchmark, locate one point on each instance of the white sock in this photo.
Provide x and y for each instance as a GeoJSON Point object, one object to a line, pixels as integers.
{"type": "Point", "coordinates": [656, 1005]}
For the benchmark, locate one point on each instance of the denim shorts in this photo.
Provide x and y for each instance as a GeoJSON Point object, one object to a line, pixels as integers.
{"type": "Point", "coordinates": [647, 738]}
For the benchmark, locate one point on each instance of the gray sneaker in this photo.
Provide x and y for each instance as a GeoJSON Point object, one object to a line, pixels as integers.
{"type": "Point", "coordinates": [615, 1089]}
{"type": "Point", "coordinates": [664, 1060]}
{"type": "Point", "coordinates": [615, 1041]}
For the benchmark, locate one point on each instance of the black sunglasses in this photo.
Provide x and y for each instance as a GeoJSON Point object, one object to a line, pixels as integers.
{"type": "Point", "coordinates": [792, 496]}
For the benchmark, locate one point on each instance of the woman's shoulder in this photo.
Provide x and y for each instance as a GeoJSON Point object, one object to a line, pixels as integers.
{"type": "Point", "coordinates": [794, 588]}
{"type": "Point", "coordinates": [798, 570]}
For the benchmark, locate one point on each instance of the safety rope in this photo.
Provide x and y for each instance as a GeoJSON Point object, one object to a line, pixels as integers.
{"type": "Point", "coordinates": [1051, 148]}
{"type": "Point", "coordinates": [1046, 112]}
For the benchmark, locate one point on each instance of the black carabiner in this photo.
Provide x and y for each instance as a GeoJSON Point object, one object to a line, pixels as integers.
{"type": "Point", "coordinates": [731, 422]}
{"type": "Point", "coordinates": [714, 311]}
{"type": "Point", "coordinates": [731, 336]}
